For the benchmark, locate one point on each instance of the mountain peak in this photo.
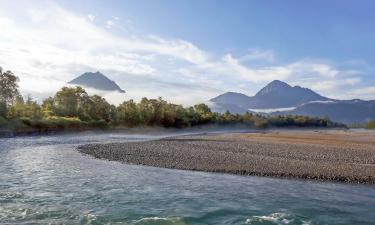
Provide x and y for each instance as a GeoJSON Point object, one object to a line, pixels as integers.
{"type": "Point", "coordinates": [274, 95]}
{"type": "Point", "coordinates": [97, 73]}
{"type": "Point", "coordinates": [274, 86]}
{"type": "Point", "coordinates": [96, 80]}
{"type": "Point", "coordinates": [278, 83]}
{"type": "Point", "coordinates": [232, 97]}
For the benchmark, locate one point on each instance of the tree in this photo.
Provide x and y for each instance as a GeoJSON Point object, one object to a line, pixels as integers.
{"type": "Point", "coordinates": [174, 116]}
{"type": "Point", "coordinates": [47, 107]}
{"type": "Point", "coordinates": [72, 102]}
{"type": "Point", "coordinates": [8, 90]}
{"type": "Point", "coordinates": [204, 112]}
{"type": "Point", "coordinates": [370, 125]}
{"type": "Point", "coordinates": [145, 111]}
{"type": "Point", "coordinates": [8, 86]}
{"type": "Point", "coordinates": [99, 108]}
{"type": "Point", "coordinates": [128, 113]}
{"type": "Point", "coordinates": [29, 109]}
{"type": "Point", "coordinates": [248, 118]}
{"type": "Point", "coordinates": [3, 110]}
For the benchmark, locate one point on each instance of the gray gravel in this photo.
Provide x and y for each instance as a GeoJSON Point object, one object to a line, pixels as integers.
{"type": "Point", "coordinates": [347, 163]}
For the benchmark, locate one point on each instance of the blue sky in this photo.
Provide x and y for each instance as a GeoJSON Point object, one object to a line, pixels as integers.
{"type": "Point", "coordinates": [340, 30]}
{"type": "Point", "coordinates": [190, 51]}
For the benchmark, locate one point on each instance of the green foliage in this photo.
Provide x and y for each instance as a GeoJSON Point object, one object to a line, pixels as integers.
{"type": "Point", "coordinates": [370, 125]}
{"type": "Point", "coordinates": [71, 102]}
{"type": "Point", "coordinates": [29, 109]}
{"type": "Point", "coordinates": [3, 109]}
{"type": "Point", "coordinates": [58, 123]}
{"type": "Point", "coordinates": [8, 87]}
{"type": "Point", "coordinates": [128, 113]}
{"type": "Point", "coordinates": [300, 121]}
{"type": "Point", "coordinates": [47, 107]}
{"type": "Point", "coordinates": [3, 122]}
{"type": "Point", "coordinates": [99, 109]}
{"type": "Point", "coordinates": [151, 112]}
{"type": "Point", "coordinates": [8, 91]}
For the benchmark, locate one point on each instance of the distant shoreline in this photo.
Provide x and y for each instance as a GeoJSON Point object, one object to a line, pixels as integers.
{"type": "Point", "coordinates": [327, 155]}
{"type": "Point", "coordinates": [5, 133]}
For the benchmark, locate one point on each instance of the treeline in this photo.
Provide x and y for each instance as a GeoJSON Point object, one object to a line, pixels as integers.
{"type": "Point", "coordinates": [73, 108]}
{"type": "Point", "coordinates": [370, 125]}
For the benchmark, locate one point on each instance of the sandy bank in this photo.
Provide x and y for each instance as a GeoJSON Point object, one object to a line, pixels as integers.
{"type": "Point", "coordinates": [324, 155]}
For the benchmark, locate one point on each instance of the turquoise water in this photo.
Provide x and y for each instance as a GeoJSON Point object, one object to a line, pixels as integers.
{"type": "Point", "coordinates": [44, 180]}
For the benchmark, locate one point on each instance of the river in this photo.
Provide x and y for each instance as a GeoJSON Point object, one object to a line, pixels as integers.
{"type": "Point", "coordinates": [44, 180]}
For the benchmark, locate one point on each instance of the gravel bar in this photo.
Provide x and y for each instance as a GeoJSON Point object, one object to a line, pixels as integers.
{"type": "Point", "coordinates": [333, 156]}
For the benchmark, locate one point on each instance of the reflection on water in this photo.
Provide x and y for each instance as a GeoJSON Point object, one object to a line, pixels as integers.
{"type": "Point", "coordinates": [43, 180]}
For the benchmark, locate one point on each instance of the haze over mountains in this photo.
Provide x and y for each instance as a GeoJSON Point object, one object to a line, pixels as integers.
{"type": "Point", "coordinates": [97, 81]}
{"type": "Point", "coordinates": [278, 98]}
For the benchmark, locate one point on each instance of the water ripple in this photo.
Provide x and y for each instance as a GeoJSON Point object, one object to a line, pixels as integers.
{"type": "Point", "coordinates": [44, 180]}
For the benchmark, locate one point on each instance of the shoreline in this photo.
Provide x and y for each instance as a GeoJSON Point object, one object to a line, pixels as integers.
{"type": "Point", "coordinates": [326, 155]}
{"type": "Point", "coordinates": [7, 133]}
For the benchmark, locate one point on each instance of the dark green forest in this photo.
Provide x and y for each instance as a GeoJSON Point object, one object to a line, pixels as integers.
{"type": "Point", "coordinates": [73, 109]}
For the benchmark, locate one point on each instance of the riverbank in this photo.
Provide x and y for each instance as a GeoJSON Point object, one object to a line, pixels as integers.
{"type": "Point", "coordinates": [335, 155]}
{"type": "Point", "coordinates": [144, 130]}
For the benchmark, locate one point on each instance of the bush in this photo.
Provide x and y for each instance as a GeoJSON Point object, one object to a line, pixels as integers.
{"type": "Point", "coordinates": [16, 124]}
{"type": "Point", "coordinates": [98, 124]}
{"type": "Point", "coordinates": [3, 122]}
{"type": "Point", "coordinates": [60, 123]}
{"type": "Point", "coordinates": [26, 121]}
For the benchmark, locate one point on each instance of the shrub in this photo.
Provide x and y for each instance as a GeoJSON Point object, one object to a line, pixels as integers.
{"type": "Point", "coordinates": [16, 124]}
{"type": "Point", "coordinates": [26, 121]}
{"type": "Point", "coordinates": [98, 124]}
{"type": "Point", "coordinates": [3, 122]}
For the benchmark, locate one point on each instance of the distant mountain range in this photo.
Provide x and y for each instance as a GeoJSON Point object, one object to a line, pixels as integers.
{"type": "Point", "coordinates": [276, 98]}
{"type": "Point", "coordinates": [97, 81]}
{"type": "Point", "coordinates": [279, 98]}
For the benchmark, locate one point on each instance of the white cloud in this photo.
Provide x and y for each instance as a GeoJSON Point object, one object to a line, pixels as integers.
{"type": "Point", "coordinates": [255, 75]}
{"type": "Point", "coordinates": [6, 22]}
{"type": "Point", "coordinates": [256, 54]}
{"type": "Point", "coordinates": [91, 17]}
{"type": "Point", "coordinates": [364, 92]}
{"type": "Point", "coordinates": [37, 15]}
{"type": "Point", "coordinates": [59, 45]}
{"type": "Point", "coordinates": [109, 24]}
{"type": "Point", "coordinates": [63, 45]}
{"type": "Point", "coordinates": [319, 76]}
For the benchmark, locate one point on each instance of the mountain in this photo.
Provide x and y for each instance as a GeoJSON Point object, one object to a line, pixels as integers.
{"type": "Point", "coordinates": [279, 98]}
{"type": "Point", "coordinates": [223, 107]}
{"type": "Point", "coordinates": [278, 94]}
{"type": "Point", "coordinates": [96, 80]}
{"type": "Point", "coordinates": [232, 98]}
{"type": "Point", "coordinates": [275, 95]}
{"type": "Point", "coordinates": [346, 111]}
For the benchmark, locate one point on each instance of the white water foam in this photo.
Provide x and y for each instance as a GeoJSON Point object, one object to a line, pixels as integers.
{"type": "Point", "coordinates": [277, 218]}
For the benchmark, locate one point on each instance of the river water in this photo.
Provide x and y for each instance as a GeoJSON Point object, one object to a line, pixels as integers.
{"type": "Point", "coordinates": [44, 180]}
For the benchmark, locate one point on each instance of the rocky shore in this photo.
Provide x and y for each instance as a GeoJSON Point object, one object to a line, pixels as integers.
{"type": "Point", "coordinates": [324, 155]}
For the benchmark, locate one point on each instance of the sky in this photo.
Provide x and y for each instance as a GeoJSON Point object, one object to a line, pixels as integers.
{"type": "Point", "coordinates": [190, 51]}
